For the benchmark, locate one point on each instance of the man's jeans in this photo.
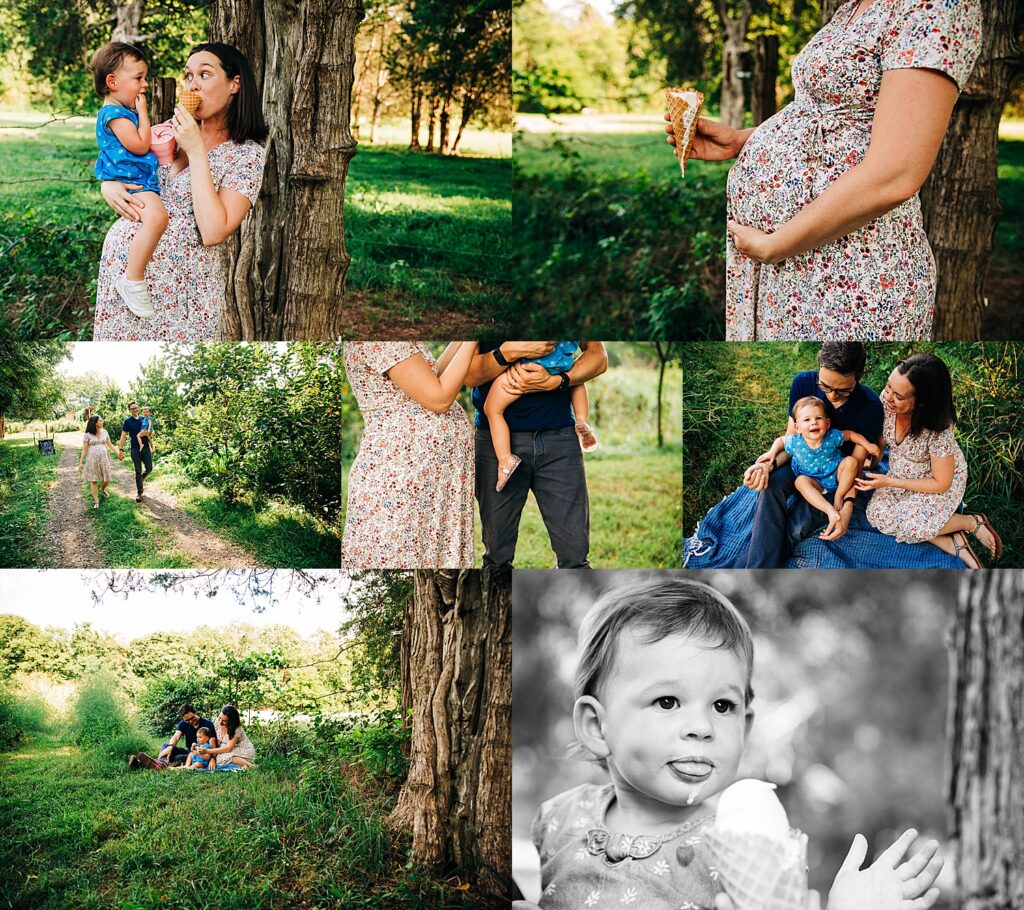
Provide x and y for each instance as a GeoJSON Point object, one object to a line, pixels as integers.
{"type": "Point", "coordinates": [140, 457]}
{"type": "Point", "coordinates": [775, 532]}
{"type": "Point", "coordinates": [552, 466]}
{"type": "Point", "coordinates": [177, 756]}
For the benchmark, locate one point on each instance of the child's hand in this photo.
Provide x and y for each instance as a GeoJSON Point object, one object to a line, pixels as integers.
{"type": "Point", "coordinates": [888, 883]}
{"type": "Point", "coordinates": [873, 450]}
{"type": "Point", "coordinates": [140, 103]}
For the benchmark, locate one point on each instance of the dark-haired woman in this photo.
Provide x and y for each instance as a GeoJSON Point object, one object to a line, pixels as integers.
{"type": "Point", "coordinates": [919, 497]}
{"type": "Point", "coordinates": [94, 458]}
{"type": "Point", "coordinates": [233, 746]}
{"type": "Point", "coordinates": [207, 190]}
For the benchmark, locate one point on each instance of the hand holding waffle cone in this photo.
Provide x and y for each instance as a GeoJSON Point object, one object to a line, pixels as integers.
{"type": "Point", "coordinates": [683, 112]}
{"type": "Point", "coordinates": [190, 101]}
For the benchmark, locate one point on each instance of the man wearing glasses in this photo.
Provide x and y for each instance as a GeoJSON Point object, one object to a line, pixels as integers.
{"type": "Point", "coordinates": [142, 455]}
{"type": "Point", "coordinates": [171, 753]}
{"type": "Point", "coordinates": [849, 405]}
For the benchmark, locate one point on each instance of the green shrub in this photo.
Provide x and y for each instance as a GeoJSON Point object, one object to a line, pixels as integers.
{"type": "Point", "coordinates": [20, 714]}
{"type": "Point", "coordinates": [158, 702]}
{"type": "Point", "coordinates": [113, 753]}
{"type": "Point", "coordinates": [97, 714]}
{"type": "Point", "coordinates": [376, 741]}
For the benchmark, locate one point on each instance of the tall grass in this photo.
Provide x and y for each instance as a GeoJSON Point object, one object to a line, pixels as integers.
{"type": "Point", "coordinates": [98, 715]}
{"type": "Point", "coordinates": [24, 476]}
{"type": "Point", "coordinates": [20, 714]}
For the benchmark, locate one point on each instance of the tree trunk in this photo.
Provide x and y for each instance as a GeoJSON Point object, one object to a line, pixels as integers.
{"type": "Point", "coordinates": [985, 788]}
{"type": "Point", "coordinates": [766, 76]}
{"type": "Point", "coordinates": [445, 125]}
{"type": "Point", "coordinates": [416, 106]}
{"type": "Point", "coordinates": [828, 9]}
{"type": "Point", "coordinates": [457, 795]}
{"type": "Point", "coordinates": [287, 266]}
{"type": "Point", "coordinates": [3, 426]}
{"type": "Point", "coordinates": [732, 107]}
{"type": "Point", "coordinates": [164, 95]}
{"type": "Point", "coordinates": [960, 199]}
{"type": "Point", "coordinates": [128, 21]}
{"type": "Point", "coordinates": [662, 361]}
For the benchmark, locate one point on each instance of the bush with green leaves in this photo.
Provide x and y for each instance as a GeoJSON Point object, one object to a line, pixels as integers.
{"type": "Point", "coordinates": [161, 698]}
{"type": "Point", "coordinates": [376, 741]}
{"type": "Point", "coordinates": [98, 715]}
{"type": "Point", "coordinates": [19, 715]}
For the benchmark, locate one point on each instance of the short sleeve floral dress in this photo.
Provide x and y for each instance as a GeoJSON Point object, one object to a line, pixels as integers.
{"type": "Point", "coordinates": [186, 279]}
{"type": "Point", "coordinates": [410, 489]}
{"type": "Point", "coordinates": [97, 462]}
{"type": "Point", "coordinates": [243, 747]}
{"type": "Point", "coordinates": [877, 283]}
{"type": "Point", "coordinates": [917, 517]}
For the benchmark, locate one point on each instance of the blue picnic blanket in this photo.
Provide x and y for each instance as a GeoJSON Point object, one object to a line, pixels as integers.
{"type": "Point", "coordinates": [721, 541]}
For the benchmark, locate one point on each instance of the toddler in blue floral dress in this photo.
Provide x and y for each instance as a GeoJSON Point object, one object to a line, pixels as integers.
{"type": "Point", "coordinates": [817, 458]}
{"type": "Point", "coordinates": [124, 137]}
{"type": "Point", "coordinates": [502, 394]}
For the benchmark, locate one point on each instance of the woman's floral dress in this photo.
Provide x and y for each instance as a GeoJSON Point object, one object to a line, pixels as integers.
{"type": "Point", "coordinates": [97, 462]}
{"type": "Point", "coordinates": [243, 748]}
{"type": "Point", "coordinates": [877, 283]}
{"type": "Point", "coordinates": [186, 279]}
{"type": "Point", "coordinates": [410, 489]}
{"type": "Point", "coordinates": [915, 517]}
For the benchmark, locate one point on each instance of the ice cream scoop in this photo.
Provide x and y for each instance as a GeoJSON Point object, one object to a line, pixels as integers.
{"type": "Point", "coordinates": [751, 806]}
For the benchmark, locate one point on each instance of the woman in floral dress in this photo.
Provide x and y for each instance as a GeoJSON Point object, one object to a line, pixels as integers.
{"type": "Point", "coordinates": [919, 497]}
{"type": "Point", "coordinates": [410, 489]}
{"type": "Point", "coordinates": [95, 444]}
{"type": "Point", "coordinates": [233, 744]}
{"type": "Point", "coordinates": [208, 189]}
{"type": "Point", "coordinates": [825, 234]}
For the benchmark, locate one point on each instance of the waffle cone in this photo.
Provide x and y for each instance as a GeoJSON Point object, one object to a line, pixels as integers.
{"type": "Point", "coordinates": [683, 108]}
{"type": "Point", "coordinates": [190, 101]}
{"type": "Point", "coordinates": [759, 873]}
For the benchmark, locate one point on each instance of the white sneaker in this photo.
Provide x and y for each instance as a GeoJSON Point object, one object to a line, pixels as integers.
{"type": "Point", "coordinates": [135, 295]}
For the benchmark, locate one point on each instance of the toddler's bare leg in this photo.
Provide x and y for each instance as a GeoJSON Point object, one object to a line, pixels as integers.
{"type": "Point", "coordinates": [581, 403]}
{"type": "Point", "coordinates": [810, 489]}
{"type": "Point", "coordinates": [846, 473]}
{"type": "Point", "coordinates": [140, 250]}
{"type": "Point", "coordinates": [498, 398]}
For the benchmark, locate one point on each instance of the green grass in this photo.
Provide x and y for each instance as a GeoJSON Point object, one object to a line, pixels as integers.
{"type": "Point", "coordinates": [81, 831]}
{"type": "Point", "coordinates": [24, 478]}
{"type": "Point", "coordinates": [276, 535]}
{"type": "Point", "coordinates": [128, 538]}
{"type": "Point", "coordinates": [635, 507]}
{"type": "Point", "coordinates": [427, 232]}
{"type": "Point", "coordinates": [735, 399]}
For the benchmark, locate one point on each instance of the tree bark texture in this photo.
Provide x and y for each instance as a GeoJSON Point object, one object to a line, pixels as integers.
{"type": "Point", "coordinates": [828, 9]}
{"type": "Point", "coordinates": [985, 788]}
{"type": "Point", "coordinates": [960, 199]}
{"type": "Point", "coordinates": [128, 21]}
{"type": "Point", "coordinates": [287, 265]}
{"type": "Point", "coordinates": [766, 77]}
{"type": "Point", "coordinates": [164, 94]}
{"type": "Point", "coordinates": [732, 107]}
{"type": "Point", "coordinates": [458, 793]}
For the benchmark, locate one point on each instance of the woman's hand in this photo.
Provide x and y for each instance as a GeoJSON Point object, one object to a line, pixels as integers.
{"type": "Point", "coordinates": [186, 133]}
{"type": "Point", "coordinates": [722, 901]}
{"type": "Point", "coordinates": [888, 883]}
{"type": "Point", "coordinates": [754, 243]}
{"type": "Point", "coordinates": [116, 195]}
{"type": "Point", "coordinates": [714, 141]}
{"type": "Point", "coordinates": [873, 481]}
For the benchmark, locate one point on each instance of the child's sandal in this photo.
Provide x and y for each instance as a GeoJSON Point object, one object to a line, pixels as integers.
{"type": "Point", "coordinates": [505, 472]}
{"type": "Point", "coordinates": [584, 430]}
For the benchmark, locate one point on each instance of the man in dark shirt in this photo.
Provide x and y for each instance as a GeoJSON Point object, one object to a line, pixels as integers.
{"type": "Point", "coordinates": [544, 437]}
{"type": "Point", "coordinates": [142, 455]}
{"type": "Point", "coordinates": [171, 753]}
{"type": "Point", "coordinates": [849, 405]}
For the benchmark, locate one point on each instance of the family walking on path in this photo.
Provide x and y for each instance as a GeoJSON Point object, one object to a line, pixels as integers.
{"type": "Point", "coordinates": [833, 449]}
{"type": "Point", "coordinates": [420, 462]}
{"type": "Point", "coordinates": [94, 463]}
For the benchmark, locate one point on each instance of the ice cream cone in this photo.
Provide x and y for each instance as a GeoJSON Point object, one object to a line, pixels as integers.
{"type": "Point", "coordinates": [683, 108]}
{"type": "Point", "coordinates": [190, 100]}
{"type": "Point", "coordinates": [759, 872]}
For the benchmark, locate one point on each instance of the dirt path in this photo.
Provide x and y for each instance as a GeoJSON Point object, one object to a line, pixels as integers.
{"type": "Point", "coordinates": [70, 540]}
{"type": "Point", "coordinates": [202, 547]}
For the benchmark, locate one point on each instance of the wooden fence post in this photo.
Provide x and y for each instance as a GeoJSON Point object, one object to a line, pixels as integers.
{"type": "Point", "coordinates": [766, 75]}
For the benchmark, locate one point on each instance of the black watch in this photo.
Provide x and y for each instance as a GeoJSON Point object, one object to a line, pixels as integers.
{"type": "Point", "coordinates": [564, 377]}
{"type": "Point", "coordinates": [499, 356]}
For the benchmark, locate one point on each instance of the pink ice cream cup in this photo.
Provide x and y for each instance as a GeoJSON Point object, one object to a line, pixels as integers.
{"type": "Point", "coordinates": [162, 142]}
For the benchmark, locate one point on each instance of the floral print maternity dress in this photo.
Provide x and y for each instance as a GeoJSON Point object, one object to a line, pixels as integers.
{"type": "Point", "coordinates": [186, 279]}
{"type": "Point", "coordinates": [97, 462]}
{"type": "Point", "coordinates": [410, 490]}
{"type": "Point", "coordinates": [877, 283]}
{"type": "Point", "coordinates": [916, 517]}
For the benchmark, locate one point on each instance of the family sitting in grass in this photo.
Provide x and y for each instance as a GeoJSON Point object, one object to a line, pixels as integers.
{"type": "Point", "coordinates": [835, 424]}
{"type": "Point", "coordinates": [209, 746]}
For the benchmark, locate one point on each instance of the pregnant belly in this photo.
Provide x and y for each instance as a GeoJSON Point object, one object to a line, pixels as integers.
{"type": "Point", "coordinates": [787, 162]}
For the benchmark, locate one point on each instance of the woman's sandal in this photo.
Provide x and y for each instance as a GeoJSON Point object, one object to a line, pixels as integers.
{"type": "Point", "coordinates": [505, 472]}
{"type": "Point", "coordinates": [980, 521]}
{"type": "Point", "coordinates": [966, 545]}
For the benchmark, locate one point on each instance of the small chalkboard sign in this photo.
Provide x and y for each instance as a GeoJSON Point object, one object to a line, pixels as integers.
{"type": "Point", "coordinates": [46, 447]}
